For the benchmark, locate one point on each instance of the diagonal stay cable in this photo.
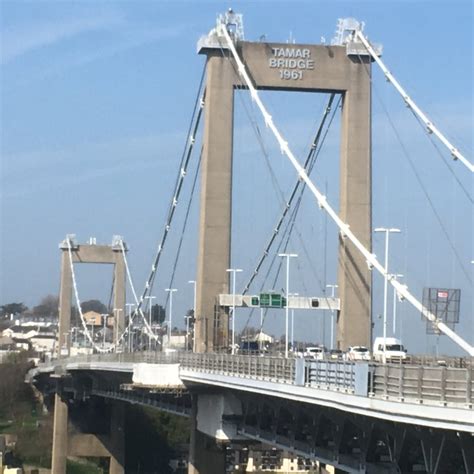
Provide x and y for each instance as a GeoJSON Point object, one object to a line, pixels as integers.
{"type": "Point", "coordinates": [407, 156]}
{"type": "Point", "coordinates": [183, 230]}
{"type": "Point", "coordinates": [312, 154]}
{"type": "Point", "coordinates": [322, 201]}
{"type": "Point", "coordinates": [187, 152]}
{"type": "Point", "coordinates": [310, 161]}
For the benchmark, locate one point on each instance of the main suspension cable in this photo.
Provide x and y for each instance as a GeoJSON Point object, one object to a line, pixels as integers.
{"type": "Point", "coordinates": [310, 161]}
{"type": "Point", "coordinates": [183, 230]}
{"type": "Point", "coordinates": [314, 151]}
{"type": "Point", "coordinates": [418, 177]}
{"type": "Point", "coordinates": [323, 203]}
{"type": "Point", "coordinates": [187, 152]}
{"type": "Point", "coordinates": [78, 304]}
{"type": "Point", "coordinates": [431, 128]}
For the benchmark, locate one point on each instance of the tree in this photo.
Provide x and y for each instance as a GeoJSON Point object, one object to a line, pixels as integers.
{"type": "Point", "coordinates": [94, 305]}
{"type": "Point", "coordinates": [49, 306]}
{"type": "Point", "coordinates": [158, 313]}
{"type": "Point", "coordinates": [12, 308]}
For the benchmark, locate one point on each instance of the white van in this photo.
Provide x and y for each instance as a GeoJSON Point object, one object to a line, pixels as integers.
{"type": "Point", "coordinates": [393, 350]}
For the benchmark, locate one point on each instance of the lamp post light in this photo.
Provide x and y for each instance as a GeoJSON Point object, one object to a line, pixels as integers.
{"type": "Point", "coordinates": [233, 271]}
{"type": "Point", "coordinates": [170, 291]}
{"type": "Point", "coordinates": [333, 290]}
{"type": "Point", "coordinates": [194, 315]}
{"type": "Point", "coordinates": [150, 298]}
{"type": "Point", "coordinates": [387, 232]}
{"type": "Point", "coordinates": [287, 256]}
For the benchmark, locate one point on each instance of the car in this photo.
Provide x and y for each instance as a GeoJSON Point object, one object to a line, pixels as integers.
{"type": "Point", "coordinates": [335, 354]}
{"type": "Point", "coordinates": [317, 352]}
{"type": "Point", "coordinates": [358, 353]}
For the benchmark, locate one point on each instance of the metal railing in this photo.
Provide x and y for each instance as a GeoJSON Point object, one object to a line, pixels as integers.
{"type": "Point", "coordinates": [432, 385]}
{"type": "Point", "coordinates": [424, 384]}
{"type": "Point", "coordinates": [331, 375]}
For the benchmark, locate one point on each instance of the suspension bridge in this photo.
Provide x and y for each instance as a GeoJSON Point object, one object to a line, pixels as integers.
{"type": "Point", "coordinates": [355, 416]}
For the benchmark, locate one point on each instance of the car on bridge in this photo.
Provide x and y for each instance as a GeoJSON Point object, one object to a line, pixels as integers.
{"type": "Point", "coordinates": [317, 352]}
{"type": "Point", "coordinates": [358, 353]}
{"type": "Point", "coordinates": [390, 350]}
{"type": "Point", "coordinates": [335, 354]}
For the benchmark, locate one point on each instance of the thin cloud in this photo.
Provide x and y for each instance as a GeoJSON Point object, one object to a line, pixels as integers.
{"type": "Point", "coordinates": [132, 39]}
{"type": "Point", "coordinates": [21, 40]}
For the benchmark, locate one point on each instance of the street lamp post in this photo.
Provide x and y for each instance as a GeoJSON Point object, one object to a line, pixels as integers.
{"type": "Point", "coordinates": [194, 315]}
{"type": "Point", "coordinates": [117, 312]}
{"type": "Point", "coordinates": [387, 231]}
{"type": "Point", "coordinates": [150, 298]}
{"type": "Point", "coordinates": [287, 256]}
{"type": "Point", "coordinates": [104, 322]}
{"type": "Point", "coordinates": [396, 276]}
{"type": "Point", "coordinates": [170, 291]}
{"type": "Point", "coordinates": [233, 271]}
{"type": "Point", "coordinates": [292, 323]}
{"type": "Point", "coordinates": [129, 325]}
{"type": "Point", "coordinates": [333, 289]}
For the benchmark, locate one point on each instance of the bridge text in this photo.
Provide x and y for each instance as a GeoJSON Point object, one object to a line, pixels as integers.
{"type": "Point", "coordinates": [291, 62]}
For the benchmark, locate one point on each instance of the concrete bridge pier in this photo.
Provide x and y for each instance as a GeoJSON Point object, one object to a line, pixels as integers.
{"type": "Point", "coordinates": [60, 435]}
{"type": "Point", "coordinates": [205, 455]}
{"type": "Point", "coordinates": [213, 425]}
{"type": "Point", "coordinates": [70, 440]}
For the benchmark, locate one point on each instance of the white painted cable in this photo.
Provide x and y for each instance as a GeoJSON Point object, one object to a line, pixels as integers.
{"type": "Point", "coordinates": [78, 304]}
{"type": "Point", "coordinates": [129, 276]}
{"type": "Point", "coordinates": [322, 201]}
{"type": "Point", "coordinates": [457, 155]}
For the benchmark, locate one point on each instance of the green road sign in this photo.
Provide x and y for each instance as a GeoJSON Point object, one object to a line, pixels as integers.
{"type": "Point", "coordinates": [272, 300]}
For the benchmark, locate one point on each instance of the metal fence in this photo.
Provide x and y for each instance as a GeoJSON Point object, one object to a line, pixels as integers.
{"type": "Point", "coordinates": [424, 384]}
{"type": "Point", "coordinates": [404, 383]}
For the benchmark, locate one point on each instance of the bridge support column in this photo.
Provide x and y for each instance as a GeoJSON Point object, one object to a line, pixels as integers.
{"type": "Point", "coordinates": [65, 296]}
{"type": "Point", "coordinates": [119, 293]}
{"type": "Point", "coordinates": [354, 277]}
{"type": "Point", "coordinates": [117, 439]}
{"type": "Point", "coordinates": [205, 456]}
{"type": "Point", "coordinates": [60, 435]}
{"type": "Point", "coordinates": [211, 327]}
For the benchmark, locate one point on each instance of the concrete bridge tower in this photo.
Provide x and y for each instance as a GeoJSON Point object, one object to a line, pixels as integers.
{"type": "Point", "coordinates": [344, 69]}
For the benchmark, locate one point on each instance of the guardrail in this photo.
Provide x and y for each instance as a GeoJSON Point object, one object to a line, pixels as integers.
{"type": "Point", "coordinates": [404, 383]}
{"type": "Point", "coordinates": [424, 384]}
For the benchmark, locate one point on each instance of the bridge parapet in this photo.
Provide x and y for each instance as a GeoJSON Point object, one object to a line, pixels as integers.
{"type": "Point", "coordinates": [427, 385]}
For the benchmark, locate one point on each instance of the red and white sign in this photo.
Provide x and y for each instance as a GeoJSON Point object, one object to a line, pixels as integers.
{"type": "Point", "coordinates": [442, 294]}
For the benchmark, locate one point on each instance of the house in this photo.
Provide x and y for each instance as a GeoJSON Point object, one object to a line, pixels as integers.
{"type": "Point", "coordinates": [93, 318]}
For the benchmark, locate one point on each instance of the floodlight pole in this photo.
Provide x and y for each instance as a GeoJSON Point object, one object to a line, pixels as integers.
{"type": "Point", "coordinates": [117, 312]}
{"type": "Point", "coordinates": [287, 256]}
{"type": "Point", "coordinates": [387, 231]}
{"type": "Point", "coordinates": [292, 323]}
{"type": "Point", "coordinates": [333, 289]}
{"type": "Point", "coordinates": [104, 320]}
{"type": "Point", "coordinates": [194, 316]}
{"type": "Point", "coordinates": [129, 326]}
{"type": "Point", "coordinates": [150, 298]}
{"type": "Point", "coordinates": [233, 271]}
{"type": "Point", "coordinates": [170, 291]}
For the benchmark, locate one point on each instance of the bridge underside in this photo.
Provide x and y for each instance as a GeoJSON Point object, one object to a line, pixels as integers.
{"type": "Point", "coordinates": [350, 442]}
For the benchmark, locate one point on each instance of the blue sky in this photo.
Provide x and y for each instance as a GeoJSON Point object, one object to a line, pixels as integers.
{"type": "Point", "coordinates": [95, 103]}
